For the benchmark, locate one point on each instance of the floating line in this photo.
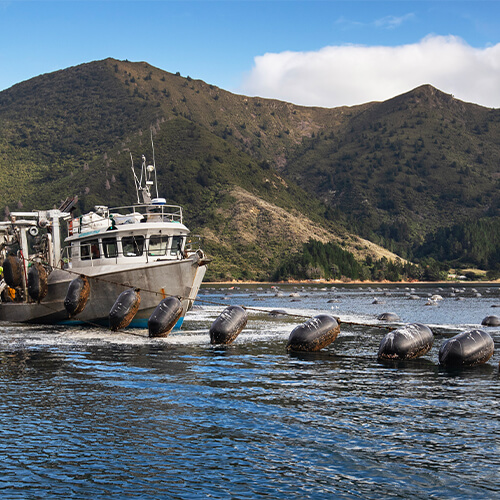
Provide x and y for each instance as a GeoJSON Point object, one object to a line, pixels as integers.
{"type": "Point", "coordinates": [164, 294]}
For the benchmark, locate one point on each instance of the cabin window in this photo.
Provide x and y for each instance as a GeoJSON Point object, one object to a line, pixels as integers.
{"type": "Point", "coordinates": [110, 248]}
{"type": "Point", "coordinates": [176, 246]}
{"type": "Point", "coordinates": [133, 246]}
{"type": "Point", "coordinates": [89, 250]}
{"type": "Point", "coordinates": [157, 245]}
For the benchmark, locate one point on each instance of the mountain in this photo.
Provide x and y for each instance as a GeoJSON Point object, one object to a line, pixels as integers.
{"type": "Point", "coordinates": [257, 177]}
{"type": "Point", "coordinates": [400, 169]}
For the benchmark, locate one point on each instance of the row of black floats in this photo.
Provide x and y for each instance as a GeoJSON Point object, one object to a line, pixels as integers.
{"type": "Point", "coordinates": [313, 335]}
{"type": "Point", "coordinates": [466, 349]}
{"type": "Point", "coordinates": [123, 311]}
{"type": "Point", "coordinates": [407, 342]}
{"type": "Point", "coordinates": [160, 323]}
{"type": "Point", "coordinates": [37, 277]}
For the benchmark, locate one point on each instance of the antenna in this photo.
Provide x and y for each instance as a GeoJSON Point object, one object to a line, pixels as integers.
{"type": "Point", "coordinates": [154, 162]}
{"type": "Point", "coordinates": [137, 182]}
{"type": "Point", "coordinates": [145, 182]}
{"type": "Point", "coordinates": [146, 171]}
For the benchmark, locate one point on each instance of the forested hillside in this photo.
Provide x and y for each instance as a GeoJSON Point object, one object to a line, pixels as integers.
{"type": "Point", "coordinates": [259, 178]}
{"type": "Point", "coordinates": [401, 169]}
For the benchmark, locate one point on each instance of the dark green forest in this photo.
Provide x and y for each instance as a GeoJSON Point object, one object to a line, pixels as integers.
{"type": "Point", "coordinates": [329, 261]}
{"type": "Point", "coordinates": [476, 243]}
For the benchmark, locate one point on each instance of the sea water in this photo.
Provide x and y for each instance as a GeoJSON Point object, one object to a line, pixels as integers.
{"type": "Point", "coordinates": [86, 413]}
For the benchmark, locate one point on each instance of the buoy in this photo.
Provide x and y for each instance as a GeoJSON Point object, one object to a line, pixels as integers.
{"type": "Point", "coordinates": [37, 281]}
{"type": "Point", "coordinates": [124, 309]}
{"type": "Point", "coordinates": [388, 316]}
{"type": "Point", "coordinates": [164, 317]}
{"type": "Point", "coordinates": [77, 295]}
{"type": "Point", "coordinates": [314, 334]}
{"type": "Point", "coordinates": [277, 312]}
{"type": "Point", "coordinates": [228, 325]}
{"type": "Point", "coordinates": [12, 271]}
{"type": "Point", "coordinates": [407, 342]}
{"type": "Point", "coordinates": [491, 321]}
{"type": "Point", "coordinates": [467, 349]}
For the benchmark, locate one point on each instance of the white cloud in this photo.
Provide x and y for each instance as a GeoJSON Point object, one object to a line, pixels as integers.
{"type": "Point", "coordinates": [354, 74]}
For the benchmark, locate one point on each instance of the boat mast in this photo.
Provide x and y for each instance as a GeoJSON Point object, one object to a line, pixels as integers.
{"type": "Point", "coordinates": [147, 179]}
{"type": "Point", "coordinates": [154, 163]}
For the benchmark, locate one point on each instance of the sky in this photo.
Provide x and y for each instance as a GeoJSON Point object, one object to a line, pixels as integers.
{"type": "Point", "coordinates": [316, 53]}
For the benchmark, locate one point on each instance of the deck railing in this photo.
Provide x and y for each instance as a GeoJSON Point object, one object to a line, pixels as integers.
{"type": "Point", "coordinates": [167, 212]}
{"type": "Point", "coordinates": [123, 215]}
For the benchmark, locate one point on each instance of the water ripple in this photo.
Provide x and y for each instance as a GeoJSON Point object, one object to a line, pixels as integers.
{"type": "Point", "coordinates": [86, 413]}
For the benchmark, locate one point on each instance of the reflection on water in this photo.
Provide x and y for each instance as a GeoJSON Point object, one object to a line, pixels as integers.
{"type": "Point", "coordinates": [87, 413]}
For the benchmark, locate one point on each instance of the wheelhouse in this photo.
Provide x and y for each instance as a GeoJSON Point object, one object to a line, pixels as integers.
{"type": "Point", "coordinates": [148, 233]}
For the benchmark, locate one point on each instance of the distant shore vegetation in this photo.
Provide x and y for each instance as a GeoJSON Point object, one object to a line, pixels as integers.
{"type": "Point", "coordinates": [329, 261]}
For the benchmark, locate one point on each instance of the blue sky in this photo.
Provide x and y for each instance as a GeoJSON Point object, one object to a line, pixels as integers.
{"type": "Point", "coordinates": [326, 53]}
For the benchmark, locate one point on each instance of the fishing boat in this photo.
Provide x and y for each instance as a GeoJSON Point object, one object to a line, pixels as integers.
{"type": "Point", "coordinates": [144, 246]}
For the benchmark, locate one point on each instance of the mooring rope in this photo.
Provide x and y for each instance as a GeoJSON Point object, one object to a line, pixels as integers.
{"type": "Point", "coordinates": [91, 323]}
{"type": "Point", "coordinates": [198, 299]}
{"type": "Point", "coordinates": [294, 315]}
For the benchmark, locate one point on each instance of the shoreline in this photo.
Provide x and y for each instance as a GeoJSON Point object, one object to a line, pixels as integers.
{"type": "Point", "coordinates": [352, 282]}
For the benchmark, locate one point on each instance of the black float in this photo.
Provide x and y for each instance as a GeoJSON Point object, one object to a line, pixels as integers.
{"type": "Point", "coordinates": [491, 321]}
{"type": "Point", "coordinates": [77, 295]}
{"type": "Point", "coordinates": [12, 271]}
{"type": "Point", "coordinates": [314, 334]}
{"type": "Point", "coordinates": [275, 313]}
{"type": "Point", "coordinates": [164, 317]}
{"type": "Point", "coordinates": [37, 282]}
{"type": "Point", "coordinates": [466, 349]}
{"type": "Point", "coordinates": [228, 325]}
{"type": "Point", "coordinates": [388, 316]}
{"type": "Point", "coordinates": [407, 342]}
{"type": "Point", "coordinates": [124, 309]}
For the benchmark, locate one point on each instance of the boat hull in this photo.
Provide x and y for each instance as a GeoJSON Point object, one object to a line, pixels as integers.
{"type": "Point", "coordinates": [156, 280]}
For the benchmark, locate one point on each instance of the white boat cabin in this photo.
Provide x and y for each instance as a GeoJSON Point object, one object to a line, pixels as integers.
{"type": "Point", "coordinates": [126, 235]}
